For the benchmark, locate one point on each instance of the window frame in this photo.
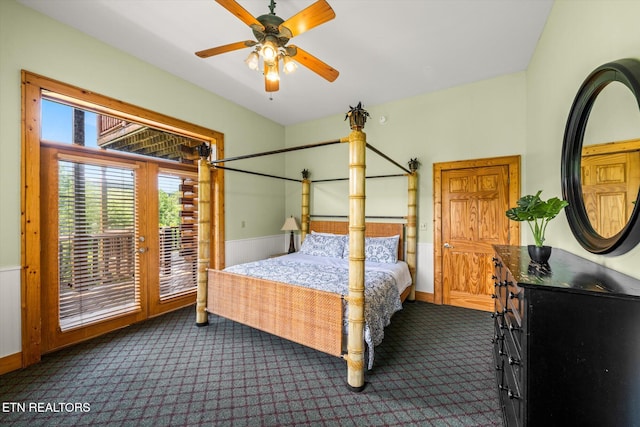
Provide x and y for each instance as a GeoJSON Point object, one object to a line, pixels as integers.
{"type": "Point", "coordinates": [32, 87]}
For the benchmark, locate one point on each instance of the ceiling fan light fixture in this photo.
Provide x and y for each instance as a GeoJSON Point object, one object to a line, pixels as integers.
{"type": "Point", "coordinates": [269, 49]}
{"type": "Point", "coordinates": [271, 35]}
{"type": "Point", "coordinates": [272, 72]}
{"type": "Point", "coordinates": [289, 64]}
{"type": "Point", "coordinates": [253, 61]}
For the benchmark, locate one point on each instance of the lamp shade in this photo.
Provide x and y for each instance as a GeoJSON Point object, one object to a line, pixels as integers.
{"type": "Point", "coordinates": [290, 224]}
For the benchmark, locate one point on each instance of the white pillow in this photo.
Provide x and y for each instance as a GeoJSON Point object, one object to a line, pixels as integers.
{"type": "Point", "coordinates": [326, 245]}
{"type": "Point", "coordinates": [378, 249]}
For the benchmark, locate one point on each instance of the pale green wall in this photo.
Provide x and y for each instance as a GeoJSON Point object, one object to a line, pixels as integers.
{"type": "Point", "coordinates": [34, 42]}
{"type": "Point", "coordinates": [484, 119]}
{"type": "Point", "coordinates": [523, 113]}
{"type": "Point", "coordinates": [579, 37]}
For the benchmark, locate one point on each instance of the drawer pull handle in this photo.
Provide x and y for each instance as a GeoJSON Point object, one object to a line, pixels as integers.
{"type": "Point", "coordinates": [513, 361]}
{"type": "Point", "coordinates": [513, 296]}
{"type": "Point", "coordinates": [496, 339]}
{"type": "Point", "coordinates": [512, 395]}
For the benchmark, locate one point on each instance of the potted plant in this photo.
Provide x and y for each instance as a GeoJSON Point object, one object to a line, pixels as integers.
{"type": "Point", "coordinates": [537, 213]}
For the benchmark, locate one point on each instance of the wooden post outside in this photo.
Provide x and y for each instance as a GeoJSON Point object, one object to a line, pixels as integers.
{"type": "Point", "coordinates": [412, 209]}
{"type": "Point", "coordinates": [304, 213]}
{"type": "Point", "coordinates": [355, 341]}
{"type": "Point", "coordinates": [204, 231]}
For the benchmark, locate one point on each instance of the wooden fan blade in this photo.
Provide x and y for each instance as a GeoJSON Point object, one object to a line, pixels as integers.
{"type": "Point", "coordinates": [224, 49]}
{"type": "Point", "coordinates": [314, 64]}
{"type": "Point", "coordinates": [270, 85]}
{"type": "Point", "coordinates": [239, 11]}
{"type": "Point", "coordinates": [314, 15]}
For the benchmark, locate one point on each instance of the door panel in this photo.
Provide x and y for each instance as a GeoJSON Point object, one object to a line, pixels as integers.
{"type": "Point", "coordinates": [102, 245]}
{"type": "Point", "coordinates": [91, 281]}
{"type": "Point", "coordinates": [610, 185]}
{"type": "Point", "coordinates": [472, 220]}
{"type": "Point", "coordinates": [174, 259]}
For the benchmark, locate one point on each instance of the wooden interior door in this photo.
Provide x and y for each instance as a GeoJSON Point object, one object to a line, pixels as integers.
{"type": "Point", "coordinates": [472, 199]}
{"type": "Point", "coordinates": [610, 182]}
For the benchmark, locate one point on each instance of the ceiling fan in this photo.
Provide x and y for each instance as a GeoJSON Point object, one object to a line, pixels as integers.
{"type": "Point", "coordinates": [272, 34]}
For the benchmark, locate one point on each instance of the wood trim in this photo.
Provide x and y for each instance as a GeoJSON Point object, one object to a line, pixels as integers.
{"type": "Point", "coordinates": [32, 87]}
{"type": "Point", "coordinates": [30, 224]}
{"type": "Point", "coordinates": [513, 164]}
{"type": "Point", "coordinates": [9, 363]}
{"type": "Point", "coordinates": [611, 147]}
{"type": "Point", "coordinates": [424, 297]}
{"type": "Point", "coordinates": [103, 104]}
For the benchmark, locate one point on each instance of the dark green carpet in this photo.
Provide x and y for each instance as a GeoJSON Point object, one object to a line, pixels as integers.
{"type": "Point", "coordinates": [433, 368]}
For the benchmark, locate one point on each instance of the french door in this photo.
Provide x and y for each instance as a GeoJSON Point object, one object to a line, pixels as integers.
{"type": "Point", "coordinates": [119, 241]}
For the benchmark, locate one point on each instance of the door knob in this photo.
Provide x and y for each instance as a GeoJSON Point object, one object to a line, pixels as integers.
{"type": "Point", "coordinates": [448, 246]}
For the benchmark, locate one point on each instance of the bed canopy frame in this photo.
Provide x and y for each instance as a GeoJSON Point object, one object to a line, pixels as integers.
{"type": "Point", "coordinates": [356, 227]}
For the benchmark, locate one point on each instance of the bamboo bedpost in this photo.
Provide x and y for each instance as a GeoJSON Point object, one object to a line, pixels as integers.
{"type": "Point", "coordinates": [412, 209]}
{"type": "Point", "coordinates": [357, 166]}
{"type": "Point", "coordinates": [204, 231]}
{"type": "Point", "coordinates": [304, 213]}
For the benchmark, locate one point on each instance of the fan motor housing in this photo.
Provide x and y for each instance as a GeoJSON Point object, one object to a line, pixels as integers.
{"type": "Point", "coordinates": [271, 24]}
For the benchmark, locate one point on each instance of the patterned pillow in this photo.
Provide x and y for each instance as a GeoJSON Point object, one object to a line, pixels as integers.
{"type": "Point", "coordinates": [326, 245]}
{"type": "Point", "coordinates": [378, 249]}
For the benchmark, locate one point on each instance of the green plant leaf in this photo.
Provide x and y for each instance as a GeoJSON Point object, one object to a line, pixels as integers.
{"type": "Point", "coordinates": [537, 213]}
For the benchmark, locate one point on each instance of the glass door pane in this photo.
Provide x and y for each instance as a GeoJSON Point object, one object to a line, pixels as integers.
{"type": "Point", "coordinates": [178, 233]}
{"type": "Point", "coordinates": [97, 261]}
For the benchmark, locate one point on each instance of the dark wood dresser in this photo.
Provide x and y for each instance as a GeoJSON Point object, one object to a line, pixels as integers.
{"type": "Point", "coordinates": [566, 345]}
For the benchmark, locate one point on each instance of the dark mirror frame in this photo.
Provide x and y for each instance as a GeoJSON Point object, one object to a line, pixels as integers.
{"type": "Point", "coordinates": [627, 72]}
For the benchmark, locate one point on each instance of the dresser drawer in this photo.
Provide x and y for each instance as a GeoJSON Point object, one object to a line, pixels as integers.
{"type": "Point", "coordinates": [513, 329]}
{"type": "Point", "coordinates": [514, 296]}
{"type": "Point", "coordinates": [512, 400]}
{"type": "Point", "coordinates": [513, 363]}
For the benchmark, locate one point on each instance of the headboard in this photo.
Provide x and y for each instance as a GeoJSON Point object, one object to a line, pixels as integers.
{"type": "Point", "coordinates": [372, 229]}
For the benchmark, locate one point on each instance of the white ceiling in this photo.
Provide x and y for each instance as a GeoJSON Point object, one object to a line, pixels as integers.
{"type": "Point", "coordinates": [384, 50]}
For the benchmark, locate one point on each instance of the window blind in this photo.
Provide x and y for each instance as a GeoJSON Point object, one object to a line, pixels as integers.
{"type": "Point", "coordinates": [97, 259]}
{"type": "Point", "coordinates": [178, 234]}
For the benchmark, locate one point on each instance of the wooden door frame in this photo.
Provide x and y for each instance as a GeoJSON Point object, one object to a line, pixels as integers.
{"type": "Point", "coordinates": [32, 86]}
{"type": "Point", "coordinates": [513, 164]}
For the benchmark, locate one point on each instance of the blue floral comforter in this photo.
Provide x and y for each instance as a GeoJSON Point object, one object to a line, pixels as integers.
{"type": "Point", "coordinates": [383, 285]}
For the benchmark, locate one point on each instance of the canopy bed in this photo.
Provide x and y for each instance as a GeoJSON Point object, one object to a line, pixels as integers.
{"type": "Point", "coordinates": [306, 313]}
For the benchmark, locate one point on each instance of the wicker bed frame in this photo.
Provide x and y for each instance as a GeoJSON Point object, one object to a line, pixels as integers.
{"type": "Point", "coordinates": [306, 316]}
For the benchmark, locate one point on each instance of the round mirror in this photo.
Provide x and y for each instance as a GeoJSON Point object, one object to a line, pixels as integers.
{"type": "Point", "coordinates": [601, 159]}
